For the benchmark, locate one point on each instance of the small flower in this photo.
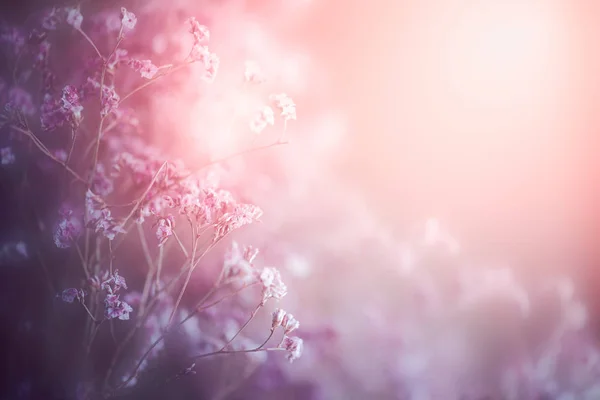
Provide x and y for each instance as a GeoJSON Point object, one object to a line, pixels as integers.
{"type": "Point", "coordinates": [119, 57]}
{"type": "Point", "coordinates": [116, 308]}
{"type": "Point", "coordinates": [74, 17]}
{"type": "Point", "coordinates": [69, 295]}
{"type": "Point", "coordinates": [211, 66]}
{"type": "Point", "coordinates": [250, 253]}
{"type": "Point", "coordinates": [200, 32]}
{"type": "Point", "coordinates": [253, 73]}
{"type": "Point", "coordinates": [273, 286]}
{"type": "Point", "coordinates": [110, 100]}
{"type": "Point", "coordinates": [114, 283]}
{"type": "Point", "coordinates": [128, 19]}
{"type": "Point", "coordinates": [264, 117]}
{"type": "Point", "coordinates": [290, 323]}
{"type": "Point", "coordinates": [242, 214]}
{"type": "Point", "coordinates": [144, 67]}
{"type": "Point", "coordinates": [278, 316]}
{"type": "Point", "coordinates": [68, 229]}
{"type": "Point", "coordinates": [71, 105]}
{"type": "Point", "coordinates": [164, 229]}
{"type": "Point", "coordinates": [294, 345]}
{"type": "Point", "coordinates": [7, 156]}
{"type": "Point", "coordinates": [285, 105]}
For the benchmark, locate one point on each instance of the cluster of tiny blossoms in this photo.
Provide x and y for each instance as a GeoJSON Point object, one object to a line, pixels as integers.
{"type": "Point", "coordinates": [115, 183]}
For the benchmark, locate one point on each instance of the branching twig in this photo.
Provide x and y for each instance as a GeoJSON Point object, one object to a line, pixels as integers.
{"type": "Point", "coordinates": [44, 150]}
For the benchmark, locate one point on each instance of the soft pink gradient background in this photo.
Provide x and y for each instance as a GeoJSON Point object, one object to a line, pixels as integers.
{"type": "Point", "coordinates": [480, 112]}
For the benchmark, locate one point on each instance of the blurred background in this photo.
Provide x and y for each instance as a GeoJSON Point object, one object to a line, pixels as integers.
{"type": "Point", "coordinates": [480, 113]}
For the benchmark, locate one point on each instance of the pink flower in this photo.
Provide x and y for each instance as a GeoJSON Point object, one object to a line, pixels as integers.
{"type": "Point", "coordinates": [7, 156]}
{"type": "Point", "coordinates": [68, 229]}
{"type": "Point", "coordinates": [71, 105]}
{"type": "Point", "coordinates": [144, 67]}
{"type": "Point", "coordinates": [237, 268]}
{"type": "Point", "coordinates": [99, 217]}
{"type": "Point", "coordinates": [273, 286]}
{"type": "Point", "coordinates": [277, 319]}
{"type": "Point", "coordinates": [264, 117]}
{"type": "Point", "coordinates": [253, 73]}
{"type": "Point", "coordinates": [69, 295]}
{"type": "Point", "coordinates": [110, 100]}
{"type": "Point", "coordinates": [200, 32]}
{"type": "Point", "coordinates": [74, 17]}
{"type": "Point", "coordinates": [119, 57]}
{"type": "Point", "coordinates": [294, 345]}
{"type": "Point", "coordinates": [164, 229]}
{"type": "Point", "coordinates": [115, 308]}
{"type": "Point", "coordinates": [128, 19]}
{"type": "Point", "coordinates": [241, 215]}
{"type": "Point", "coordinates": [290, 323]}
{"type": "Point", "coordinates": [250, 253]}
{"type": "Point", "coordinates": [285, 104]}
{"type": "Point", "coordinates": [201, 53]}
{"type": "Point", "coordinates": [114, 283]}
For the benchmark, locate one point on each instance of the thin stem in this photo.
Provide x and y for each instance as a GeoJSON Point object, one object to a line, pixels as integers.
{"type": "Point", "coordinates": [181, 246]}
{"type": "Point", "coordinates": [189, 275]}
{"type": "Point", "coordinates": [91, 42]}
{"type": "Point", "coordinates": [244, 327]}
{"type": "Point", "coordinates": [151, 267]}
{"type": "Point", "coordinates": [102, 117]}
{"type": "Point", "coordinates": [151, 81]}
{"type": "Point", "coordinates": [93, 336]}
{"type": "Point", "coordinates": [256, 350]}
{"type": "Point", "coordinates": [143, 196]}
{"type": "Point", "coordinates": [44, 150]}
{"type": "Point", "coordinates": [159, 263]}
{"type": "Point", "coordinates": [89, 312]}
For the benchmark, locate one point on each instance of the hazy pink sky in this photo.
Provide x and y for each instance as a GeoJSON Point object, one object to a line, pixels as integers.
{"type": "Point", "coordinates": [480, 112]}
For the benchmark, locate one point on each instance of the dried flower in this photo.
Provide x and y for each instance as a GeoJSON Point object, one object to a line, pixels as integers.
{"type": "Point", "coordinates": [285, 105]}
{"type": "Point", "coordinates": [264, 117]}
{"type": "Point", "coordinates": [242, 214]}
{"type": "Point", "coordinates": [74, 17]}
{"type": "Point", "coordinates": [164, 229]}
{"type": "Point", "coordinates": [144, 67]}
{"type": "Point", "coordinates": [200, 32]}
{"type": "Point", "coordinates": [115, 308]}
{"type": "Point", "coordinates": [294, 345]}
{"type": "Point", "coordinates": [278, 316]}
{"type": "Point", "coordinates": [69, 295]}
{"type": "Point", "coordinates": [114, 283]}
{"type": "Point", "coordinates": [128, 19]}
{"type": "Point", "coordinates": [273, 286]}
{"type": "Point", "coordinates": [68, 229]}
{"type": "Point", "coordinates": [290, 323]}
